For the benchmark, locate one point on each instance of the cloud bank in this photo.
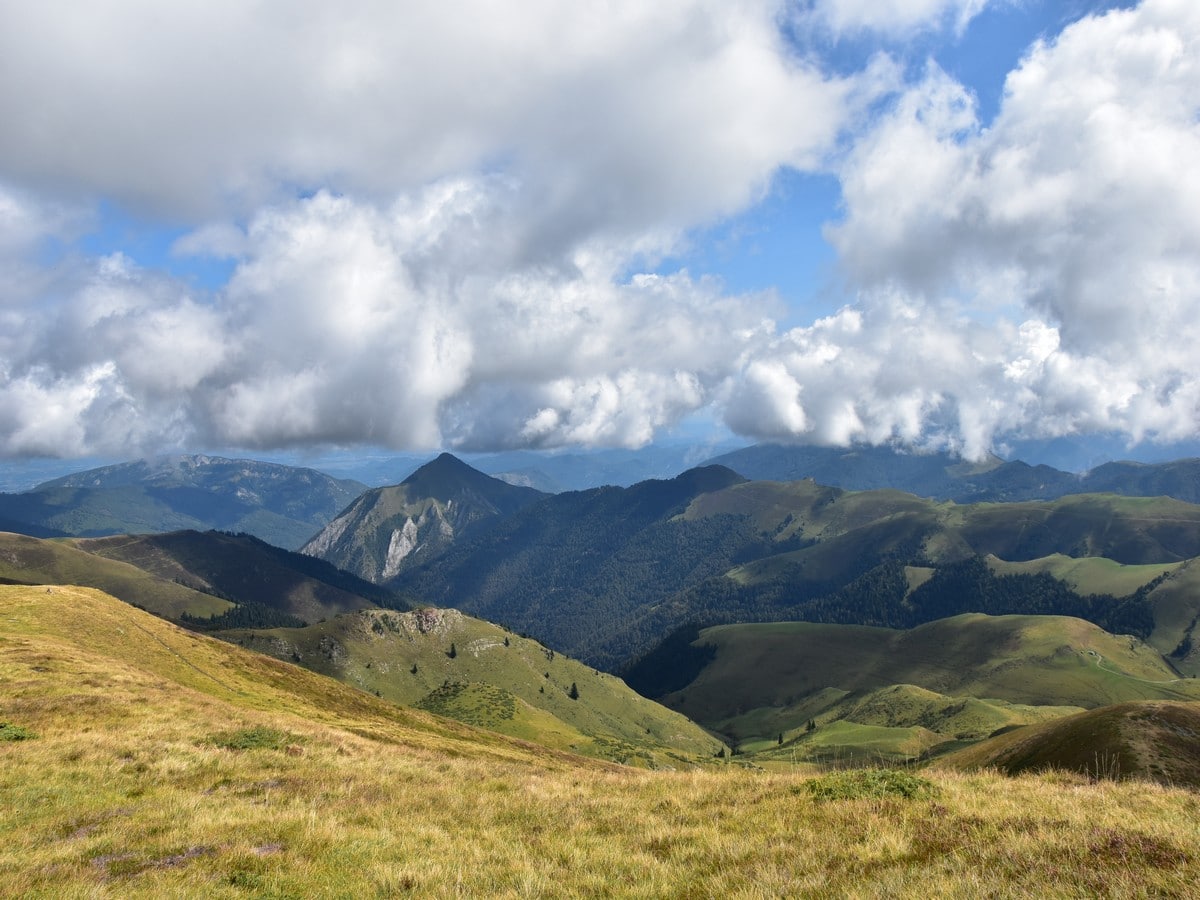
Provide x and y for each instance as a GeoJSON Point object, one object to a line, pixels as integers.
{"type": "Point", "coordinates": [441, 235]}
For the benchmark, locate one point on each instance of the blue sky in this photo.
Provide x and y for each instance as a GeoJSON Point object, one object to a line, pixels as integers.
{"type": "Point", "coordinates": [952, 224]}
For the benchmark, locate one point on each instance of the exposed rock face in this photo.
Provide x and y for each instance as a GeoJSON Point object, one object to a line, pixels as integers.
{"type": "Point", "coordinates": [391, 529]}
{"type": "Point", "coordinates": [404, 542]}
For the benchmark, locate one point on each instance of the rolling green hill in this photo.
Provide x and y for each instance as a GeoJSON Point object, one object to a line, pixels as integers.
{"type": "Point", "coordinates": [247, 571]}
{"type": "Point", "coordinates": [753, 682]}
{"type": "Point", "coordinates": [282, 505]}
{"type": "Point", "coordinates": [27, 560]}
{"type": "Point", "coordinates": [472, 670]}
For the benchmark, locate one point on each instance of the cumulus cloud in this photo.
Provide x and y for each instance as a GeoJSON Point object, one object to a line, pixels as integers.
{"type": "Point", "coordinates": [405, 325]}
{"type": "Point", "coordinates": [1039, 276]}
{"type": "Point", "coordinates": [621, 116]}
{"type": "Point", "coordinates": [436, 229]}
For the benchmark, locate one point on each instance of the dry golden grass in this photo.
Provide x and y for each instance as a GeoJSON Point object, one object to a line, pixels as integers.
{"type": "Point", "coordinates": [128, 791]}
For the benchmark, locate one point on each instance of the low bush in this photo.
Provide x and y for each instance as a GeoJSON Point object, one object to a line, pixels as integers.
{"type": "Point", "coordinates": [258, 738]}
{"type": "Point", "coordinates": [871, 784]}
{"type": "Point", "coordinates": [11, 732]}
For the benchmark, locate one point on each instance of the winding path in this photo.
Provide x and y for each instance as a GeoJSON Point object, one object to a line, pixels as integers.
{"type": "Point", "coordinates": [1100, 665]}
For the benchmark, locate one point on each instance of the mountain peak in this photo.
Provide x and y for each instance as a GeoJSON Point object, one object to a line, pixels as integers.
{"type": "Point", "coordinates": [447, 476]}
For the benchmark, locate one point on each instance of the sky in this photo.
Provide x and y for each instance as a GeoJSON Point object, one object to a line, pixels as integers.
{"type": "Point", "coordinates": [485, 225]}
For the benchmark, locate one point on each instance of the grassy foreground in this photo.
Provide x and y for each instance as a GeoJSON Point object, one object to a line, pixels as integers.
{"type": "Point", "coordinates": [147, 762]}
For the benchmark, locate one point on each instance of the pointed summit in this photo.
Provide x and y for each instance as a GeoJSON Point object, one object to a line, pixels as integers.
{"type": "Point", "coordinates": [448, 476]}
{"type": "Point", "coordinates": [390, 529]}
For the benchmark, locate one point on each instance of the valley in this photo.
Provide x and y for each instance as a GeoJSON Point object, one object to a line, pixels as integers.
{"type": "Point", "coordinates": [729, 640]}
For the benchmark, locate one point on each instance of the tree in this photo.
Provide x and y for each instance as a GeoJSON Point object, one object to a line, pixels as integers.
{"type": "Point", "coordinates": [452, 652]}
{"type": "Point", "coordinates": [811, 726]}
{"type": "Point", "coordinates": [574, 692]}
{"type": "Point", "coordinates": [780, 741]}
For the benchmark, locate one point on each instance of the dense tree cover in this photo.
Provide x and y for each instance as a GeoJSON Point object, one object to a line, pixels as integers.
{"type": "Point", "coordinates": [607, 574]}
{"type": "Point", "coordinates": [574, 569]}
{"type": "Point", "coordinates": [971, 586]}
{"type": "Point", "coordinates": [244, 615]}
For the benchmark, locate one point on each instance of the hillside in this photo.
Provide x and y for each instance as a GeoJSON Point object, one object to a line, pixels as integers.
{"type": "Point", "coordinates": [188, 576]}
{"type": "Point", "coordinates": [1157, 741]}
{"type": "Point", "coordinates": [27, 560]}
{"type": "Point", "coordinates": [472, 670]}
{"type": "Point", "coordinates": [141, 761]}
{"type": "Point", "coordinates": [388, 530]}
{"type": "Point", "coordinates": [606, 574]}
{"type": "Point", "coordinates": [571, 569]}
{"type": "Point", "coordinates": [247, 571]}
{"type": "Point", "coordinates": [751, 682]}
{"type": "Point", "coordinates": [282, 505]}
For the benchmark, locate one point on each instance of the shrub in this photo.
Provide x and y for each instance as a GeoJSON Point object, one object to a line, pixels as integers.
{"type": "Point", "coordinates": [258, 738]}
{"type": "Point", "coordinates": [11, 732]}
{"type": "Point", "coordinates": [871, 784]}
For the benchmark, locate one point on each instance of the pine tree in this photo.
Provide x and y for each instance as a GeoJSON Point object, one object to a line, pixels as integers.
{"type": "Point", "coordinates": [574, 692]}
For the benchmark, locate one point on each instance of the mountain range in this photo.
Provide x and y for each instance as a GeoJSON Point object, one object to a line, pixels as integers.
{"type": "Point", "coordinates": [606, 574]}
{"type": "Point", "coordinates": [282, 505]}
{"type": "Point", "coordinates": [943, 476]}
{"type": "Point", "coordinates": [626, 579]}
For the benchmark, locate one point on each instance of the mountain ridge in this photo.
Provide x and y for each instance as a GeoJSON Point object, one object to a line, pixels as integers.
{"type": "Point", "coordinates": [283, 505]}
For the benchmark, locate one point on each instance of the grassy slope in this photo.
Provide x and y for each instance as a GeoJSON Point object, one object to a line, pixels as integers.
{"type": "Point", "coordinates": [123, 793]}
{"type": "Point", "coordinates": [33, 561]}
{"type": "Point", "coordinates": [242, 569]}
{"type": "Point", "coordinates": [1089, 574]}
{"type": "Point", "coordinates": [1156, 740]}
{"type": "Point", "coordinates": [503, 687]}
{"type": "Point", "coordinates": [1176, 604]}
{"type": "Point", "coordinates": [773, 678]}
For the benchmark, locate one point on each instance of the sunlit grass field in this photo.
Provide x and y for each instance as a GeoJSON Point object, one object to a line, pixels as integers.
{"type": "Point", "coordinates": [147, 762]}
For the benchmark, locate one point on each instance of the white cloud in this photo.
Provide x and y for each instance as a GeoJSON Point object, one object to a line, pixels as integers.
{"type": "Point", "coordinates": [1076, 212]}
{"type": "Point", "coordinates": [458, 272]}
{"type": "Point", "coordinates": [406, 326]}
{"type": "Point", "coordinates": [614, 116]}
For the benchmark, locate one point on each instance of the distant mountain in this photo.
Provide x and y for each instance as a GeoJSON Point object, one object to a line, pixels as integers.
{"type": "Point", "coordinates": [946, 477]}
{"type": "Point", "coordinates": [855, 469]}
{"type": "Point", "coordinates": [606, 574]}
{"type": "Point", "coordinates": [467, 669]}
{"type": "Point", "coordinates": [280, 504]}
{"type": "Point", "coordinates": [388, 530]}
{"type": "Point", "coordinates": [576, 566]}
{"type": "Point", "coordinates": [581, 471]}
